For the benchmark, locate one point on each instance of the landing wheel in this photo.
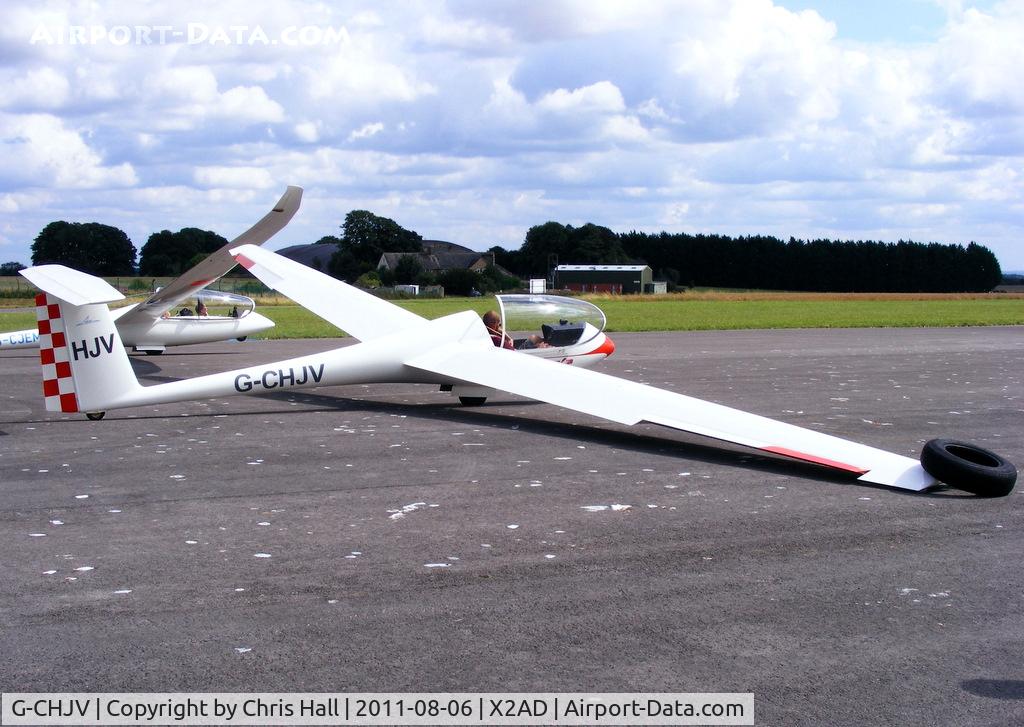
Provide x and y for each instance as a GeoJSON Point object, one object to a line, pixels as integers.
{"type": "Point", "coordinates": [95, 415]}
{"type": "Point", "coordinates": [153, 353]}
{"type": "Point", "coordinates": [241, 338]}
{"type": "Point", "coordinates": [472, 400]}
{"type": "Point", "coordinates": [968, 467]}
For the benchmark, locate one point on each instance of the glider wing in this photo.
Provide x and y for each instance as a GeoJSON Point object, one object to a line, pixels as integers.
{"type": "Point", "coordinates": [627, 402]}
{"type": "Point", "coordinates": [354, 311]}
{"type": "Point", "coordinates": [218, 263]}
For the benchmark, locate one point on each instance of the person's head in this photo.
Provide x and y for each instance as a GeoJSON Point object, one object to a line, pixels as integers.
{"type": "Point", "coordinates": [492, 320]}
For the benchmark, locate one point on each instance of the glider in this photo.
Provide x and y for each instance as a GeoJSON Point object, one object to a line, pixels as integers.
{"type": "Point", "coordinates": [86, 369]}
{"type": "Point", "coordinates": [146, 327]}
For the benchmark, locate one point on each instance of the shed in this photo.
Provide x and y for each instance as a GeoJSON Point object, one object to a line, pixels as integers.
{"type": "Point", "coordinates": [603, 278]}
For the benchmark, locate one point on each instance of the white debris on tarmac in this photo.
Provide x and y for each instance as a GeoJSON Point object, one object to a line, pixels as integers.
{"type": "Point", "coordinates": [406, 509]}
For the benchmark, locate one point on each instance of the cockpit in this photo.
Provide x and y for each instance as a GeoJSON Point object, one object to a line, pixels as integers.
{"type": "Point", "coordinates": [216, 303]}
{"type": "Point", "coordinates": [549, 321]}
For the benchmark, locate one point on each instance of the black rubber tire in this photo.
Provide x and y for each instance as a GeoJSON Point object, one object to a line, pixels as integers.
{"type": "Point", "coordinates": [242, 338]}
{"type": "Point", "coordinates": [95, 416]}
{"type": "Point", "coordinates": [153, 353]}
{"type": "Point", "coordinates": [472, 400]}
{"type": "Point", "coordinates": [967, 466]}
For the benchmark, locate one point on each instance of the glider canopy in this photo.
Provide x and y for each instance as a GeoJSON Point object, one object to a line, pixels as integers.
{"type": "Point", "coordinates": [558, 320]}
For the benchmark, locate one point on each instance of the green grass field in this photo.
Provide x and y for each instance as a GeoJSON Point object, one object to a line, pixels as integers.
{"type": "Point", "coordinates": [700, 312]}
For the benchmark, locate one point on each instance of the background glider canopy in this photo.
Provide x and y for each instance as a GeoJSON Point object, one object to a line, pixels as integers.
{"type": "Point", "coordinates": [221, 302]}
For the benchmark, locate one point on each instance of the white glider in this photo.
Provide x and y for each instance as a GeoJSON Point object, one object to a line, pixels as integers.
{"type": "Point", "coordinates": [144, 326]}
{"type": "Point", "coordinates": [86, 369]}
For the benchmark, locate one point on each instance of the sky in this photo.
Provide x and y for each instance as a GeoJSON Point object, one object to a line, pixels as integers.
{"type": "Point", "coordinates": [473, 121]}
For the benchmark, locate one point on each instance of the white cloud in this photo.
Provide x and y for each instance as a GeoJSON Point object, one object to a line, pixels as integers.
{"type": "Point", "coordinates": [600, 97]}
{"type": "Point", "coordinates": [507, 106]}
{"type": "Point", "coordinates": [38, 89]}
{"type": "Point", "coordinates": [358, 73]}
{"type": "Point", "coordinates": [19, 202]}
{"type": "Point", "coordinates": [248, 104]}
{"type": "Point", "coordinates": [626, 129]}
{"type": "Point", "coordinates": [40, 151]}
{"type": "Point", "coordinates": [234, 177]}
{"type": "Point", "coordinates": [366, 131]}
{"type": "Point", "coordinates": [307, 131]}
{"type": "Point", "coordinates": [465, 35]}
{"type": "Point", "coordinates": [190, 96]}
{"type": "Point", "coordinates": [979, 61]}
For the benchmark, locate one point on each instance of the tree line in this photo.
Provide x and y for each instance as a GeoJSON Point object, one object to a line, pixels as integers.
{"type": "Point", "coordinates": [764, 262]}
{"type": "Point", "coordinates": [682, 259]}
{"type": "Point", "coordinates": [105, 250]}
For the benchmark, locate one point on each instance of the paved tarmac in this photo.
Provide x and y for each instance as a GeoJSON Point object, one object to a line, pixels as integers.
{"type": "Point", "coordinates": [383, 539]}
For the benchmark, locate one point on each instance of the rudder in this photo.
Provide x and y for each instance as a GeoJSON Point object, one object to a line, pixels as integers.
{"type": "Point", "coordinates": [58, 382]}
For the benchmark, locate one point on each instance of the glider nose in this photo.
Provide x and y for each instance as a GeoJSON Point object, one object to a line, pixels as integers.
{"type": "Point", "coordinates": [607, 347]}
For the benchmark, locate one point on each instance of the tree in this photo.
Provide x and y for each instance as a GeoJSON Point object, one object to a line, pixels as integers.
{"type": "Point", "coordinates": [366, 237]}
{"type": "Point", "coordinates": [508, 259]}
{"type": "Point", "coordinates": [11, 268]}
{"type": "Point", "coordinates": [553, 242]}
{"type": "Point", "coordinates": [408, 269]}
{"type": "Point", "coordinates": [87, 246]}
{"type": "Point", "coordinates": [369, 280]}
{"type": "Point", "coordinates": [343, 265]}
{"type": "Point", "coordinates": [985, 270]}
{"type": "Point", "coordinates": [493, 280]}
{"type": "Point", "coordinates": [460, 281]}
{"type": "Point", "coordinates": [172, 253]}
{"type": "Point", "coordinates": [543, 245]}
{"type": "Point", "coordinates": [593, 244]}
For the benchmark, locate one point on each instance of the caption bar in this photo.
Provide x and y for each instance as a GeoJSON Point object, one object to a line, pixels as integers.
{"type": "Point", "coordinates": [727, 708]}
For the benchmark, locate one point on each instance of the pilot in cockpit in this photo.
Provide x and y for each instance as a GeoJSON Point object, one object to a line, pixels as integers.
{"type": "Point", "coordinates": [492, 321]}
{"type": "Point", "coordinates": [502, 340]}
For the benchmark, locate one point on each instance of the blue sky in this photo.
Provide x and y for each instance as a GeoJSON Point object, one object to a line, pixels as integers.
{"type": "Point", "coordinates": [472, 121]}
{"type": "Point", "coordinates": [879, 21]}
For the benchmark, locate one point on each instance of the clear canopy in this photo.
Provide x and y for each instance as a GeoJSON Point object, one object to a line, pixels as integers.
{"type": "Point", "coordinates": [221, 303]}
{"type": "Point", "coordinates": [556, 320]}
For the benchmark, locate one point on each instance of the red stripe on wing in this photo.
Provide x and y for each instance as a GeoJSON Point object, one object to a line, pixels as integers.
{"type": "Point", "coordinates": [815, 459]}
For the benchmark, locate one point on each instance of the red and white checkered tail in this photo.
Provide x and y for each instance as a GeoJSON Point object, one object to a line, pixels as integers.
{"type": "Point", "coordinates": [85, 367]}
{"type": "Point", "coordinates": [58, 383]}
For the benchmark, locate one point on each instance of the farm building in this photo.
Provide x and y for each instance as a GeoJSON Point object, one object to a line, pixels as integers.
{"type": "Point", "coordinates": [604, 278]}
{"type": "Point", "coordinates": [438, 256]}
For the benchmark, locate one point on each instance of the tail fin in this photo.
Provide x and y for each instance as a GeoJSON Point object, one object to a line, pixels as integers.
{"type": "Point", "coordinates": [85, 367]}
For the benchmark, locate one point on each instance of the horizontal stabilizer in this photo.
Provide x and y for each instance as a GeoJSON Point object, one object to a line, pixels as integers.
{"type": "Point", "coordinates": [73, 286]}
